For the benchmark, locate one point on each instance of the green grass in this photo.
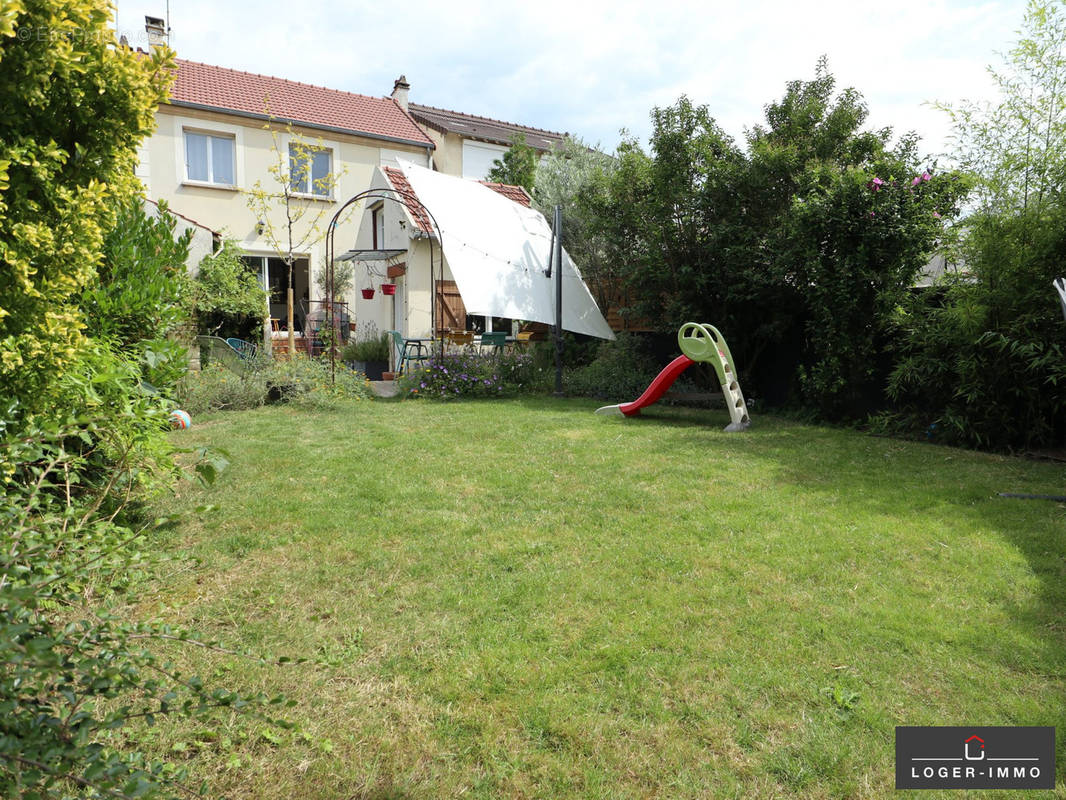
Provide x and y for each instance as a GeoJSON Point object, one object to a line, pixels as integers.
{"type": "Point", "coordinates": [521, 599]}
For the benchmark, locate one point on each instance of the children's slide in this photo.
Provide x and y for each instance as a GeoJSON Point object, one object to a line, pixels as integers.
{"type": "Point", "coordinates": [656, 389]}
{"type": "Point", "coordinates": [698, 342]}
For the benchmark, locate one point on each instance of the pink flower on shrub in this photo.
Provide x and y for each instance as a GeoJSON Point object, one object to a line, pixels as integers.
{"type": "Point", "coordinates": [936, 214]}
{"type": "Point", "coordinates": [876, 184]}
{"type": "Point", "coordinates": [925, 176]}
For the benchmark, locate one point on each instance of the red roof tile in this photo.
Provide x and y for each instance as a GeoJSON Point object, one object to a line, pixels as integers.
{"type": "Point", "coordinates": [516, 193]}
{"type": "Point", "coordinates": [403, 187]}
{"type": "Point", "coordinates": [263, 96]}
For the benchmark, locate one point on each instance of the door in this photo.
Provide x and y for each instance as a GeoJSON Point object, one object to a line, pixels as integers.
{"type": "Point", "coordinates": [451, 312]}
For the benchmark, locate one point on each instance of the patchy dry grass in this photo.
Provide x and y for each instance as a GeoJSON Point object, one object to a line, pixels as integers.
{"type": "Point", "coordinates": [520, 599]}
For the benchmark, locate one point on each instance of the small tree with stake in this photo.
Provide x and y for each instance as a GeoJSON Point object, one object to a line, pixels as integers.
{"type": "Point", "coordinates": [291, 170]}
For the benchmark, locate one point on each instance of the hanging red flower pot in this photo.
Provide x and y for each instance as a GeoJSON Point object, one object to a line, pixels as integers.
{"type": "Point", "coordinates": [388, 288]}
{"type": "Point", "coordinates": [368, 294]}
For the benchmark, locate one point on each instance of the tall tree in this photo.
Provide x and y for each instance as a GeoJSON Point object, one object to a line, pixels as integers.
{"type": "Point", "coordinates": [517, 166]}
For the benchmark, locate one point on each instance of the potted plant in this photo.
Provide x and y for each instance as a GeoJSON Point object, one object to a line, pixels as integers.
{"type": "Point", "coordinates": [369, 355]}
{"type": "Point", "coordinates": [368, 294]}
{"type": "Point", "coordinates": [388, 288]}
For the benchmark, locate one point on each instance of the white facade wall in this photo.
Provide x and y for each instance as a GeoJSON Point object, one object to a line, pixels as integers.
{"type": "Point", "coordinates": [225, 209]}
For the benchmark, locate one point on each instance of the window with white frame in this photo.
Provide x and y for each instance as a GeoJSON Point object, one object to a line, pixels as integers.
{"type": "Point", "coordinates": [310, 169]}
{"type": "Point", "coordinates": [210, 158]}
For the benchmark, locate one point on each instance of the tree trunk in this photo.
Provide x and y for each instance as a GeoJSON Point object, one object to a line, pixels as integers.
{"type": "Point", "coordinates": [292, 332]}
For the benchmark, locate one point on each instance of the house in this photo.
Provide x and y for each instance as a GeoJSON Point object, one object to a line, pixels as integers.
{"type": "Point", "coordinates": [467, 145]}
{"type": "Point", "coordinates": [488, 257]}
{"type": "Point", "coordinates": [397, 242]}
{"type": "Point", "coordinates": [221, 130]}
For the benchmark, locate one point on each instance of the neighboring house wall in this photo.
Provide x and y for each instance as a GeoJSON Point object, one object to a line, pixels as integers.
{"type": "Point", "coordinates": [479, 157]}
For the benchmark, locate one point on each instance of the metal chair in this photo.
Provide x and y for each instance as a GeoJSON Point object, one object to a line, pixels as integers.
{"type": "Point", "coordinates": [408, 351]}
{"type": "Point", "coordinates": [246, 350]}
{"type": "Point", "coordinates": [496, 340]}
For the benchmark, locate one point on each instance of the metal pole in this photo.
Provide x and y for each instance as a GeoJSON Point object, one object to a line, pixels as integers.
{"type": "Point", "coordinates": [557, 260]}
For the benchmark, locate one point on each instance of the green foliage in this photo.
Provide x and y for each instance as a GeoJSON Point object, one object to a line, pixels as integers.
{"type": "Point", "coordinates": [517, 166]}
{"type": "Point", "coordinates": [305, 381]}
{"type": "Point", "coordinates": [563, 177]}
{"type": "Point", "coordinates": [343, 279]}
{"type": "Point", "coordinates": [83, 425]}
{"type": "Point", "coordinates": [370, 347]}
{"type": "Point", "coordinates": [456, 376]}
{"type": "Point", "coordinates": [74, 672]}
{"type": "Point", "coordinates": [621, 370]}
{"type": "Point", "coordinates": [76, 107]}
{"type": "Point", "coordinates": [226, 294]}
{"type": "Point", "coordinates": [141, 282]}
{"type": "Point", "coordinates": [981, 359]}
{"type": "Point", "coordinates": [215, 388]}
{"type": "Point", "coordinates": [797, 249]}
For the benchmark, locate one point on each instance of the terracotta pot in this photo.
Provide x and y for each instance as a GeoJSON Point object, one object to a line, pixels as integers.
{"type": "Point", "coordinates": [368, 294]}
{"type": "Point", "coordinates": [388, 288]}
{"type": "Point", "coordinates": [388, 376]}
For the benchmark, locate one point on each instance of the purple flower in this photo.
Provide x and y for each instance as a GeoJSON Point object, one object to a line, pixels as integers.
{"type": "Point", "coordinates": [876, 184]}
{"type": "Point", "coordinates": [936, 214]}
{"type": "Point", "coordinates": [925, 176]}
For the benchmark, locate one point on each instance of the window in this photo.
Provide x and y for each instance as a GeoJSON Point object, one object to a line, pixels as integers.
{"type": "Point", "coordinates": [210, 158]}
{"type": "Point", "coordinates": [377, 218]}
{"type": "Point", "coordinates": [309, 170]}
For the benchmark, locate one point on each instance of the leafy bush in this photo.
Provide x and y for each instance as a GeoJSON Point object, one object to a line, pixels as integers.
{"type": "Point", "coordinates": [76, 108]}
{"type": "Point", "coordinates": [301, 380]}
{"type": "Point", "coordinates": [622, 369]}
{"type": "Point", "coordinates": [800, 245]}
{"type": "Point", "coordinates": [471, 375]}
{"type": "Point", "coordinates": [226, 298]}
{"type": "Point", "coordinates": [981, 357]}
{"type": "Point", "coordinates": [310, 382]}
{"type": "Point", "coordinates": [215, 388]}
{"type": "Point", "coordinates": [141, 287]}
{"type": "Point", "coordinates": [372, 347]}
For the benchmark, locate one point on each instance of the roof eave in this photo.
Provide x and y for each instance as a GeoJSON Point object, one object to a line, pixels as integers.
{"type": "Point", "coordinates": [302, 123]}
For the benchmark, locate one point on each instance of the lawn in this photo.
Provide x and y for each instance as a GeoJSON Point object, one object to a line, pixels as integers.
{"type": "Point", "coordinates": [521, 599]}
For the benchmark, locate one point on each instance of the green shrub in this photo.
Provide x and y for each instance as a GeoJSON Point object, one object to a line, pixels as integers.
{"type": "Point", "coordinates": [311, 382]}
{"type": "Point", "coordinates": [226, 298]}
{"type": "Point", "coordinates": [373, 348]}
{"type": "Point", "coordinates": [457, 376]}
{"type": "Point", "coordinates": [621, 370]}
{"type": "Point", "coordinates": [215, 388]}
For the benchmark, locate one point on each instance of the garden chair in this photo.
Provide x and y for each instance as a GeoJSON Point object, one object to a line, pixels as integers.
{"type": "Point", "coordinates": [245, 350]}
{"type": "Point", "coordinates": [496, 340]}
{"type": "Point", "coordinates": [408, 351]}
{"type": "Point", "coordinates": [214, 349]}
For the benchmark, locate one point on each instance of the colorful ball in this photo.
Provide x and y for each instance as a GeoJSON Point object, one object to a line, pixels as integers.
{"type": "Point", "coordinates": [180, 419]}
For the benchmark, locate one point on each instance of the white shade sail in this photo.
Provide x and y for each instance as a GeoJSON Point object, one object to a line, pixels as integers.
{"type": "Point", "coordinates": [498, 251]}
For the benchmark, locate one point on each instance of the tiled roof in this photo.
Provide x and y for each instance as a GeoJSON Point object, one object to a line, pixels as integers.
{"type": "Point", "coordinates": [483, 128]}
{"type": "Point", "coordinates": [262, 96]}
{"type": "Point", "coordinates": [403, 186]}
{"type": "Point", "coordinates": [516, 193]}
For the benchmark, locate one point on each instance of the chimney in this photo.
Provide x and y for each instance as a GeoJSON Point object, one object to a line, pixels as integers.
{"type": "Point", "coordinates": [400, 90]}
{"type": "Point", "coordinates": [156, 27]}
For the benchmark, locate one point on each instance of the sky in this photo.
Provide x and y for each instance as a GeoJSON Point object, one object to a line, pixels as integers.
{"type": "Point", "coordinates": [593, 68]}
